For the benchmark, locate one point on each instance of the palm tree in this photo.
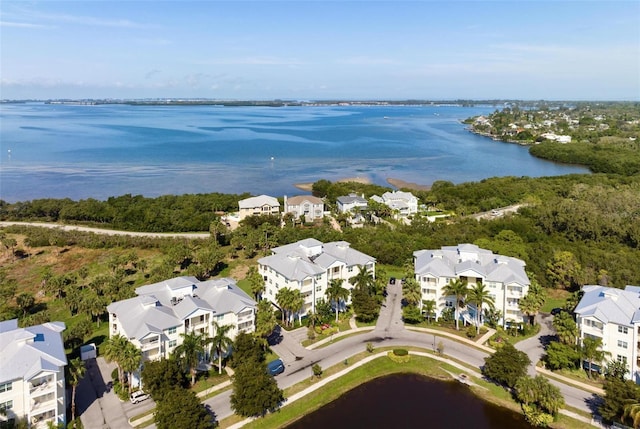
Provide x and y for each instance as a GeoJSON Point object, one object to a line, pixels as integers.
{"type": "Point", "coordinates": [114, 352]}
{"type": "Point", "coordinates": [297, 301]}
{"type": "Point", "coordinates": [591, 351]}
{"type": "Point", "coordinates": [284, 298]}
{"type": "Point", "coordinates": [533, 301]}
{"type": "Point", "coordinates": [632, 411]}
{"type": "Point", "coordinates": [411, 291]}
{"type": "Point", "coordinates": [364, 280]}
{"type": "Point", "coordinates": [457, 288]}
{"type": "Point", "coordinates": [131, 361]}
{"type": "Point", "coordinates": [479, 295]}
{"type": "Point", "coordinates": [428, 307]}
{"type": "Point", "coordinates": [220, 341]}
{"type": "Point", "coordinates": [189, 352]}
{"type": "Point", "coordinates": [76, 373]}
{"type": "Point", "coordinates": [335, 292]}
{"type": "Point", "coordinates": [265, 319]}
{"type": "Point", "coordinates": [256, 281]}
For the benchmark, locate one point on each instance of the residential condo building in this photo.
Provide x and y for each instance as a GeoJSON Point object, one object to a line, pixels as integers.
{"type": "Point", "coordinates": [309, 266]}
{"type": "Point", "coordinates": [504, 276]}
{"type": "Point", "coordinates": [613, 316]}
{"type": "Point", "coordinates": [155, 319]}
{"type": "Point", "coordinates": [32, 384]}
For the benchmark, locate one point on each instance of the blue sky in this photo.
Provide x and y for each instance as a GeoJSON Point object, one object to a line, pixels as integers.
{"type": "Point", "coordinates": [306, 50]}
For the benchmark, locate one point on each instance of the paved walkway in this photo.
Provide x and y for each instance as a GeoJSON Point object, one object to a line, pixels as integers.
{"type": "Point", "coordinates": [97, 405]}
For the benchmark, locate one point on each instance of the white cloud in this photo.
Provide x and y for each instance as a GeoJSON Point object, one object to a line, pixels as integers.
{"type": "Point", "coordinates": [23, 25]}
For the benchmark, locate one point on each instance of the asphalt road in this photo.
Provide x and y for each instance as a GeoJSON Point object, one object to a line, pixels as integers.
{"type": "Point", "coordinates": [389, 331]}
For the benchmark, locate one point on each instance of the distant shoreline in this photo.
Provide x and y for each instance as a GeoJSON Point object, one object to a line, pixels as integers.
{"type": "Point", "coordinates": [397, 183]}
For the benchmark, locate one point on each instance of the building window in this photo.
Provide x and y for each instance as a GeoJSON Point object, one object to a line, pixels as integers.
{"type": "Point", "coordinates": [172, 330]}
{"type": "Point", "coordinates": [622, 344]}
{"type": "Point", "coordinates": [6, 405]}
{"type": "Point", "coordinates": [172, 343]}
{"type": "Point", "coordinates": [623, 330]}
{"type": "Point", "coordinates": [448, 304]}
{"type": "Point", "coordinates": [622, 359]}
{"type": "Point", "coordinates": [5, 387]}
{"type": "Point", "coordinates": [350, 269]}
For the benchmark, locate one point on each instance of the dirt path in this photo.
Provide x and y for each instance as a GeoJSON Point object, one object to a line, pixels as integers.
{"type": "Point", "coordinates": [108, 231]}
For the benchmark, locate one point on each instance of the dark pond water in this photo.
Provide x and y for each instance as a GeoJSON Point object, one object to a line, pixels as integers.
{"type": "Point", "coordinates": [411, 401]}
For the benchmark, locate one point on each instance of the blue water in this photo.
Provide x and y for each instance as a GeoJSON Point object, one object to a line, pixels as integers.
{"type": "Point", "coordinates": [56, 151]}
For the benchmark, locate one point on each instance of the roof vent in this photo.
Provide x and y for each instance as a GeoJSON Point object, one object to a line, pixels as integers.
{"type": "Point", "coordinates": [39, 337]}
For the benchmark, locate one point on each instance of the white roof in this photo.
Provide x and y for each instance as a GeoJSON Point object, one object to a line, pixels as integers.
{"type": "Point", "coordinates": [259, 201]}
{"type": "Point", "coordinates": [157, 306]}
{"type": "Point", "coordinates": [26, 352]}
{"type": "Point", "coordinates": [309, 257]}
{"type": "Point", "coordinates": [610, 305]}
{"type": "Point", "coordinates": [453, 261]}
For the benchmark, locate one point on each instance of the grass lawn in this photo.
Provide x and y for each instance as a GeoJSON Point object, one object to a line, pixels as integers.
{"type": "Point", "coordinates": [555, 298]}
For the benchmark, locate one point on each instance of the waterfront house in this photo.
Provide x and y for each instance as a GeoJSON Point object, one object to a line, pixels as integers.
{"type": "Point", "coordinates": [32, 382]}
{"type": "Point", "coordinates": [260, 205]}
{"type": "Point", "coordinates": [402, 203]}
{"type": "Point", "coordinates": [504, 276]}
{"type": "Point", "coordinates": [309, 266]}
{"type": "Point", "coordinates": [155, 318]}
{"type": "Point", "coordinates": [310, 207]}
{"type": "Point", "coordinates": [351, 203]}
{"type": "Point", "coordinates": [613, 316]}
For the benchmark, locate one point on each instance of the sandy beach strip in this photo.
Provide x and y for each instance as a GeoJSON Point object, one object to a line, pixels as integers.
{"type": "Point", "coordinates": [308, 186]}
{"type": "Point", "coordinates": [398, 183]}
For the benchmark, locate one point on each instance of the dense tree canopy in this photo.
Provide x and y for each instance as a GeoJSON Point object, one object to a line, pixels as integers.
{"type": "Point", "coordinates": [506, 365]}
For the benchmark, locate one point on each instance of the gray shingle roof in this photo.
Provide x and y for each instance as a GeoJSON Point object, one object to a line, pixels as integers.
{"type": "Point", "coordinates": [351, 199]}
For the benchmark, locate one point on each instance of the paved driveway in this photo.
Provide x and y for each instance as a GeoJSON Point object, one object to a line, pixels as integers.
{"type": "Point", "coordinates": [534, 346]}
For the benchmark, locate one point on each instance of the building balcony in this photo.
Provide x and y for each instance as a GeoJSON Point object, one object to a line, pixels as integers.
{"type": "Point", "coordinates": [150, 345]}
{"type": "Point", "coordinates": [43, 404]}
{"type": "Point", "coordinates": [41, 386]}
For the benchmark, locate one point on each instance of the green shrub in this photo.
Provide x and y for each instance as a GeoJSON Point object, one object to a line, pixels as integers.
{"type": "Point", "coordinates": [471, 332]}
{"type": "Point", "coordinates": [400, 352]}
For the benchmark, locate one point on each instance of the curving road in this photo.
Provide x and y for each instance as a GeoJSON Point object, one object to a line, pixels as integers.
{"type": "Point", "coordinates": [389, 331]}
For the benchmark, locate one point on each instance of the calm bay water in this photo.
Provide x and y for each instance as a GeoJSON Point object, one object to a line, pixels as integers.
{"type": "Point", "coordinates": [55, 151]}
{"type": "Point", "coordinates": [411, 401]}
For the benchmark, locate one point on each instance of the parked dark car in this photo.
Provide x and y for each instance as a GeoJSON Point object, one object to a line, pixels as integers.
{"type": "Point", "coordinates": [392, 281]}
{"type": "Point", "coordinates": [275, 367]}
{"type": "Point", "coordinates": [557, 311]}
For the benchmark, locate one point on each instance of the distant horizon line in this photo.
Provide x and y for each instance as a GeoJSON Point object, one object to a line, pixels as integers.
{"type": "Point", "coordinates": [258, 101]}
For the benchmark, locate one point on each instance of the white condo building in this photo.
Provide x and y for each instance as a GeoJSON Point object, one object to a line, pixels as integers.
{"type": "Point", "coordinates": [32, 384]}
{"type": "Point", "coordinates": [504, 276]}
{"type": "Point", "coordinates": [613, 316]}
{"type": "Point", "coordinates": [309, 266]}
{"type": "Point", "coordinates": [154, 320]}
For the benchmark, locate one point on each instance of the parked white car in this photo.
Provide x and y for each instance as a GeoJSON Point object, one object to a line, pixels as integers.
{"type": "Point", "coordinates": [138, 396]}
